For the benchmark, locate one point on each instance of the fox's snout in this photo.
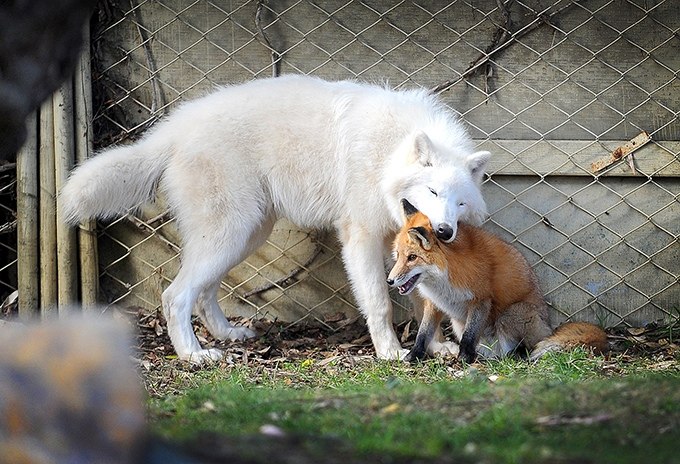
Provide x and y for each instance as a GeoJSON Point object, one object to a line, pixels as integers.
{"type": "Point", "coordinates": [444, 232]}
{"type": "Point", "coordinates": [390, 282]}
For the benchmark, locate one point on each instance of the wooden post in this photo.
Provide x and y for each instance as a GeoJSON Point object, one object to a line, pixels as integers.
{"type": "Point", "coordinates": [87, 233]}
{"type": "Point", "coordinates": [27, 222]}
{"type": "Point", "coordinates": [48, 211]}
{"type": "Point", "coordinates": [64, 154]}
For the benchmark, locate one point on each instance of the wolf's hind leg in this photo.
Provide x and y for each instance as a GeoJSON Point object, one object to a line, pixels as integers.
{"type": "Point", "coordinates": [209, 253]}
{"type": "Point", "coordinates": [213, 318]}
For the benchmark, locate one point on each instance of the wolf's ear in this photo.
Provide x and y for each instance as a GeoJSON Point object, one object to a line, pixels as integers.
{"type": "Point", "coordinates": [408, 209]}
{"type": "Point", "coordinates": [419, 234]}
{"type": "Point", "coordinates": [476, 163]}
{"type": "Point", "coordinates": [422, 149]}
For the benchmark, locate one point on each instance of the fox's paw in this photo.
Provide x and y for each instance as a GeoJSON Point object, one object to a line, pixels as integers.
{"type": "Point", "coordinates": [415, 355]}
{"type": "Point", "coordinates": [202, 357]}
{"type": "Point", "coordinates": [444, 349]}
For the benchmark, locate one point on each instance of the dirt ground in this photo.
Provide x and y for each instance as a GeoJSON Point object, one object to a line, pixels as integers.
{"type": "Point", "coordinates": [345, 340]}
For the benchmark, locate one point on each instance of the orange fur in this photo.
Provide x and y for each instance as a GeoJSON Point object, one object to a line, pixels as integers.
{"type": "Point", "coordinates": [485, 286]}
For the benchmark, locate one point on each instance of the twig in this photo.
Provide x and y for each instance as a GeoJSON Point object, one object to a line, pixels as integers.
{"type": "Point", "coordinates": [557, 420]}
{"type": "Point", "coordinates": [504, 39]}
{"type": "Point", "coordinates": [276, 55]}
{"type": "Point", "coordinates": [157, 95]}
{"type": "Point", "coordinates": [8, 167]}
{"type": "Point", "coordinates": [144, 226]}
{"type": "Point", "coordinates": [281, 282]}
{"type": "Point", "coordinates": [501, 36]}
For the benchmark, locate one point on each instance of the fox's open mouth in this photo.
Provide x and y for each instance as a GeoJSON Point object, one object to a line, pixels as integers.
{"type": "Point", "coordinates": [409, 285]}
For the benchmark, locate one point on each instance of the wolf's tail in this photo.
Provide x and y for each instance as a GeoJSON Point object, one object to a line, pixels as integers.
{"type": "Point", "coordinates": [114, 181]}
{"type": "Point", "coordinates": [570, 335]}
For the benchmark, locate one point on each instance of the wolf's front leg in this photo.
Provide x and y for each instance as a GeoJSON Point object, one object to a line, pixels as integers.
{"type": "Point", "coordinates": [363, 257]}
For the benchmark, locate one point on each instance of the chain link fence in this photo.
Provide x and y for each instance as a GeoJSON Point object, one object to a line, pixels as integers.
{"type": "Point", "coordinates": [548, 86]}
{"type": "Point", "coordinates": [8, 242]}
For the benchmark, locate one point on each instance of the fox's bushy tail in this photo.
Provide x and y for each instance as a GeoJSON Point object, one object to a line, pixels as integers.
{"type": "Point", "coordinates": [570, 335]}
{"type": "Point", "coordinates": [114, 181]}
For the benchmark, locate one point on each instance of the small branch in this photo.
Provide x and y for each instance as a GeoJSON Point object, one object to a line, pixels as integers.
{"type": "Point", "coordinates": [502, 39]}
{"type": "Point", "coordinates": [282, 282]}
{"type": "Point", "coordinates": [8, 167]}
{"type": "Point", "coordinates": [8, 227]}
{"type": "Point", "coordinates": [157, 99]}
{"type": "Point", "coordinates": [276, 55]}
{"type": "Point", "coordinates": [144, 226]}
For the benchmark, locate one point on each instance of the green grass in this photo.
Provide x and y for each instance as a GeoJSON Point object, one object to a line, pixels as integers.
{"type": "Point", "coordinates": [568, 407]}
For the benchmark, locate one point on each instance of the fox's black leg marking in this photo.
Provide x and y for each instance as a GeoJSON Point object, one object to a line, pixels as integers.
{"type": "Point", "coordinates": [468, 347]}
{"type": "Point", "coordinates": [418, 351]}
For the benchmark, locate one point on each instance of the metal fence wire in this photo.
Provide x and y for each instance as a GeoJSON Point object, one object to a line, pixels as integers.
{"type": "Point", "coordinates": [8, 242]}
{"type": "Point", "coordinates": [548, 86]}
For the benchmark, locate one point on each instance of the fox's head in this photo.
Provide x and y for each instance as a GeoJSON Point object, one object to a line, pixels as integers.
{"type": "Point", "coordinates": [413, 251]}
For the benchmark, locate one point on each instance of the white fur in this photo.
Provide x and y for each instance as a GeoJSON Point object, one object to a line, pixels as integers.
{"type": "Point", "coordinates": [322, 154]}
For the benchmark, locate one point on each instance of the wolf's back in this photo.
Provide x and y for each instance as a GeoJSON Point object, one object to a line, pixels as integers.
{"type": "Point", "coordinates": [114, 181]}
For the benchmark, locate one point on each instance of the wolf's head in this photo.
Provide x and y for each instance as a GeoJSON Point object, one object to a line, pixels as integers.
{"type": "Point", "coordinates": [445, 186]}
{"type": "Point", "coordinates": [415, 251]}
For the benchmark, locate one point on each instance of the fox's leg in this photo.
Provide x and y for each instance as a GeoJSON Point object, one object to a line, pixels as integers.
{"type": "Point", "coordinates": [363, 257]}
{"type": "Point", "coordinates": [523, 323]}
{"type": "Point", "coordinates": [476, 322]}
{"type": "Point", "coordinates": [426, 339]}
{"type": "Point", "coordinates": [438, 344]}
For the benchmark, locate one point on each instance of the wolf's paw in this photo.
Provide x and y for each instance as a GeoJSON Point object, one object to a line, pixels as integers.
{"type": "Point", "coordinates": [443, 348]}
{"type": "Point", "coordinates": [201, 357]}
{"type": "Point", "coordinates": [229, 332]}
{"type": "Point", "coordinates": [238, 333]}
{"type": "Point", "coordinates": [394, 355]}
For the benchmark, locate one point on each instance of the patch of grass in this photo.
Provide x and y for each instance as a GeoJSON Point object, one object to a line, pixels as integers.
{"type": "Point", "coordinates": [568, 407]}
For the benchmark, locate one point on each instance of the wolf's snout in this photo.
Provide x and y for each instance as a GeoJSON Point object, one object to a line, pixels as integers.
{"type": "Point", "coordinates": [444, 232]}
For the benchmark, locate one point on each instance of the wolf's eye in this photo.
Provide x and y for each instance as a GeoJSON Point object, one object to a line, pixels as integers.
{"type": "Point", "coordinates": [411, 257]}
{"type": "Point", "coordinates": [462, 203]}
{"type": "Point", "coordinates": [432, 191]}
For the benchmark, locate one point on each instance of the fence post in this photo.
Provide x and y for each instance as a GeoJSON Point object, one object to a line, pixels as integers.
{"type": "Point", "coordinates": [64, 155]}
{"type": "Point", "coordinates": [27, 221]}
{"type": "Point", "coordinates": [48, 232]}
{"type": "Point", "coordinates": [87, 233]}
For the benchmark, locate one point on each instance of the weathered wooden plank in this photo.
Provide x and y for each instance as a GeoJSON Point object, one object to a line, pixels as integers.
{"type": "Point", "coordinates": [574, 158]}
{"type": "Point", "coordinates": [27, 221]}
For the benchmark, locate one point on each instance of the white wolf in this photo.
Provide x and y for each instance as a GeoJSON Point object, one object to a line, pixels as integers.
{"type": "Point", "coordinates": [322, 154]}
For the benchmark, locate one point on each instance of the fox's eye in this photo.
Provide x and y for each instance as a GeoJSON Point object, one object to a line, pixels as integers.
{"type": "Point", "coordinates": [411, 257]}
{"type": "Point", "coordinates": [432, 191]}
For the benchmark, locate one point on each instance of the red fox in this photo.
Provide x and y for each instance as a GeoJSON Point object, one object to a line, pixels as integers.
{"type": "Point", "coordinates": [487, 289]}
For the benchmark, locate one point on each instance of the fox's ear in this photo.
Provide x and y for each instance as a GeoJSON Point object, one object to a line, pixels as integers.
{"type": "Point", "coordinates": [419, 234]}
{"type": "Point", "coordinates": [476, 163]}
{"type": "Point", "coordinates": [422, 149]}
{"type": "Point", "coordinates": [408, 209]}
